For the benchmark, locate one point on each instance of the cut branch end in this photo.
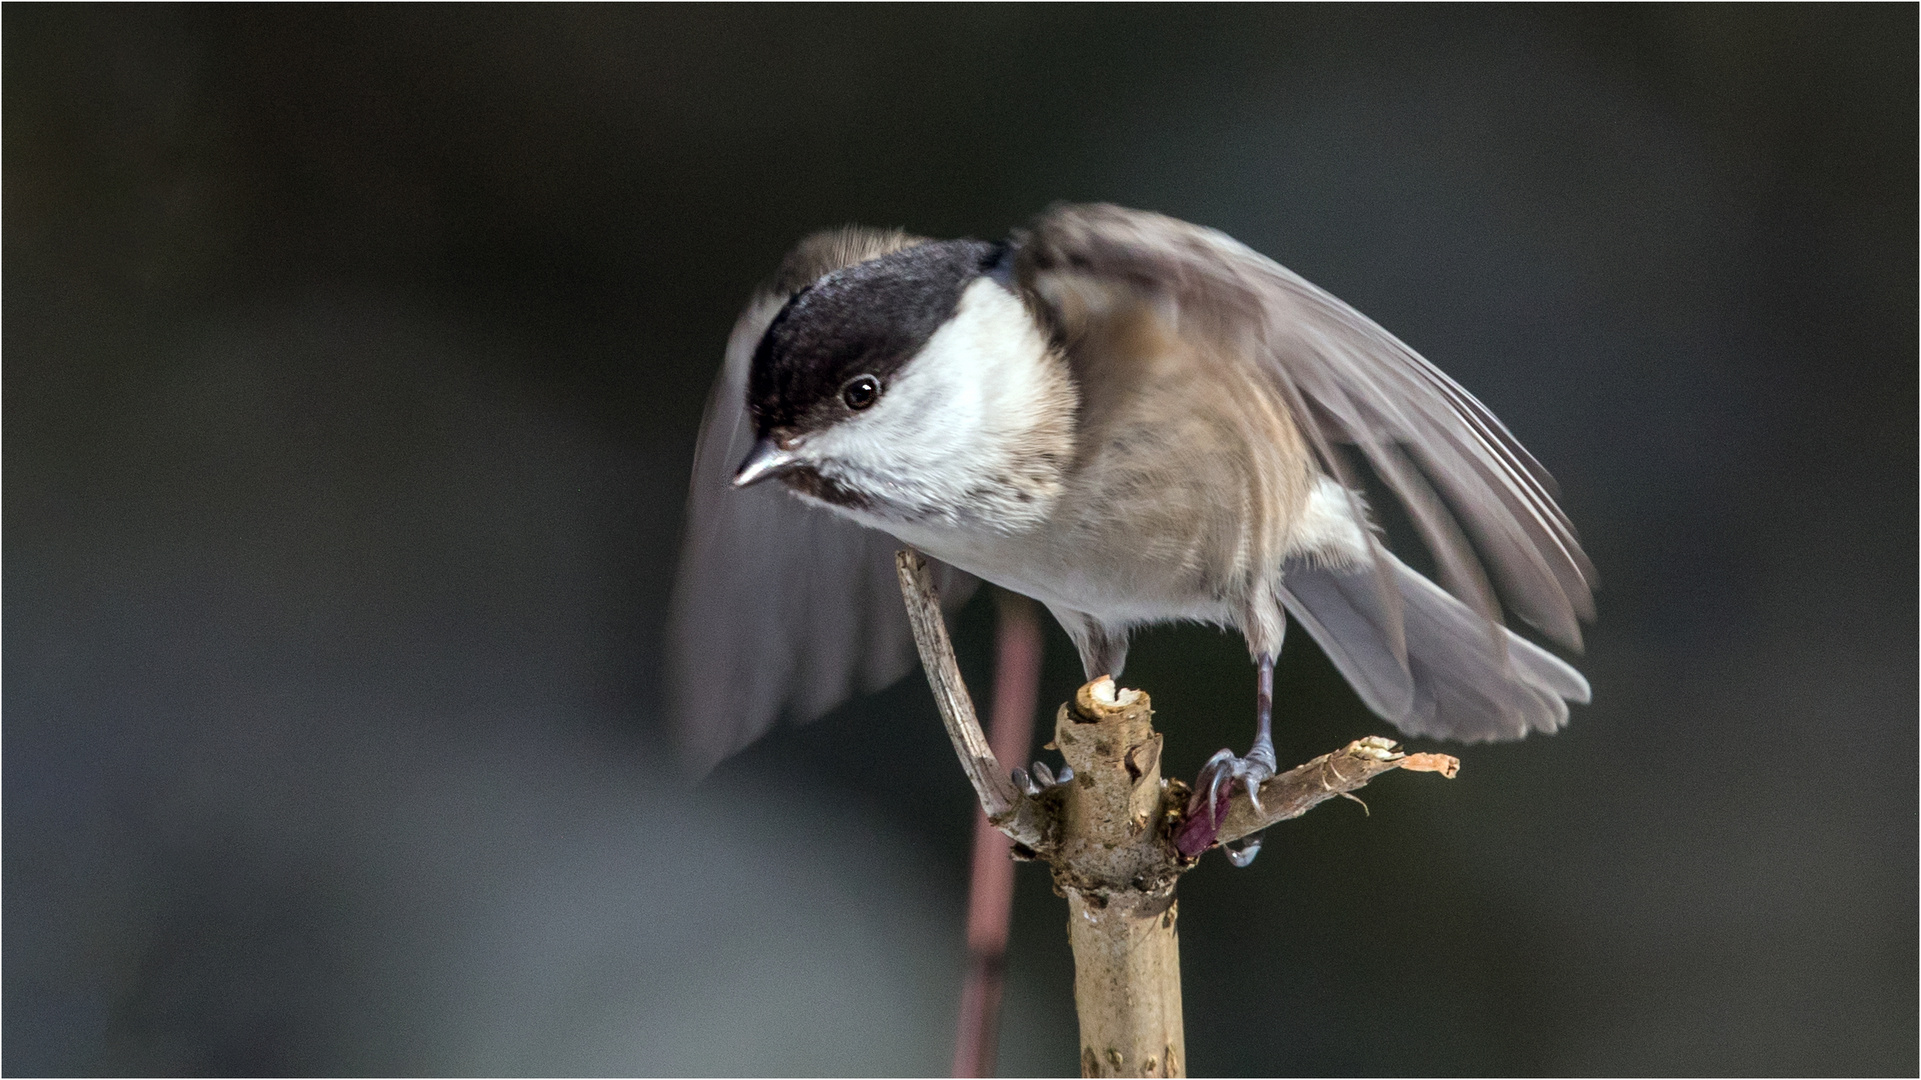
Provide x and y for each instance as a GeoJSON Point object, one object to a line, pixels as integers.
{"type": "Point", "coordinates": [1115, 837]}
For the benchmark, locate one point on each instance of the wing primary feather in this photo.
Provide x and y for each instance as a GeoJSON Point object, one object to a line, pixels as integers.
{"type": "Point", "coordinates": [1479, 499]}
{"type": "Point", "coordinates": [1458, 684]}
{"type": "Point", "coordinates": [779, 609]}
{"type": "Point", "coordinates": [1460, 569]}
{"type": "Point", "coordinates": [1389, 596]}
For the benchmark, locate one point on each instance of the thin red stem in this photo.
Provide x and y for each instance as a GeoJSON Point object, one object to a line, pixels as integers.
{"type": "Point", "coordinates": [990, 897]}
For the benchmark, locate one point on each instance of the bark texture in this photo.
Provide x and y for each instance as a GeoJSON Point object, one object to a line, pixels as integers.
{"type": "Point", "coordinates": [1110, 837]}
{"type": "Point", "coordinates": [1112, 865]}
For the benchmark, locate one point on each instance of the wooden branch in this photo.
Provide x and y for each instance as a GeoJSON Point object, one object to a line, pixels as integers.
{"type": "Point", "coordinates": [1008, 809]}
{"type": "Point", "coordinates": [1304, 787]}
{"type": "Point", "coordinates": [1118, 838]}
{"type": "Point", "coordinates": [1115, 869]}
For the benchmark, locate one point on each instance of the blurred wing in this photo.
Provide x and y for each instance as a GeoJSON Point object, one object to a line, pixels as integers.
{"type": "Point", "coordinates": [779, 608]}
{"type": "Point", "coordinates": [1478, 498]}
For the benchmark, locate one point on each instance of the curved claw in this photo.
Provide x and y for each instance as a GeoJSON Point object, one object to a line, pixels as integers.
{"type": "Point", "coordinates": [1214, 775]}
{"type": "Point", "coordinates": [1241, 852]}
{"type": "Point", "coordinates": [1041, 778]}
{"type": "Point", "coordinates": [1219, 775]}
{"type": "Point", "coordinates": [1025, 783]}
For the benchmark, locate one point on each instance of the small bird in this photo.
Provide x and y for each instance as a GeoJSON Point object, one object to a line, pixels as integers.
{"type": "Point", "coordinates": [1133, 420]}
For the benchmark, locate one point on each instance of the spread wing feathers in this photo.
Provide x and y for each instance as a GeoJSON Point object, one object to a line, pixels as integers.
{"type": "Point", "coordinates": [1457, 683]}
{"type": "Point", "coordinates": [1472, 491]}
{"type": "Point", "coordinates": [780, 609]}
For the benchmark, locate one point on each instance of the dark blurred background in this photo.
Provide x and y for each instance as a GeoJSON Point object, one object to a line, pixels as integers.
{"type": "Point", "coordinates": [353, 362]}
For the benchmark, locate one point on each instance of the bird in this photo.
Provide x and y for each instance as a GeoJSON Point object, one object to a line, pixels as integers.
{"type": "Point", "coordinates": [1133, 420]}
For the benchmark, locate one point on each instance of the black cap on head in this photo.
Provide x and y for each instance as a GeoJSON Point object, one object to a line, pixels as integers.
{"type": "Point", "coordinates": [866, 319]}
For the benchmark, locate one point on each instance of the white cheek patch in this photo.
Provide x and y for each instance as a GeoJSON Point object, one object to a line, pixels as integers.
{"type": "Point", "coordinates": [969, 426]}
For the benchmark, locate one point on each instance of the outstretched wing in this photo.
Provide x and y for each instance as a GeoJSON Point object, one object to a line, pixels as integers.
{"type": "Point", "coordinates": [780, 609]}
{"type": "Point", "coordinates": [1480, 501]}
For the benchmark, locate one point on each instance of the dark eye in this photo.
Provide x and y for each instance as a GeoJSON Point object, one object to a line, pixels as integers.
{"type": "Point", "coordinates": [860, 392]}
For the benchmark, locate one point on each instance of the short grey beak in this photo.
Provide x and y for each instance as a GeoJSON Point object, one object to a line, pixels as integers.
{"type": "Point", "coordinates": [764, 460]}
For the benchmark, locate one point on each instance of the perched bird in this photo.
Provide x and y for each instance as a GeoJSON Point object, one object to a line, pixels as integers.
{"type": "Point", "coordinates": [1132, 420]}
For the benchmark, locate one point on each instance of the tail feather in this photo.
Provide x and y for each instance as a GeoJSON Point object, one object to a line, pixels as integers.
{"type": "Point", "coordinates": [1465, 678]}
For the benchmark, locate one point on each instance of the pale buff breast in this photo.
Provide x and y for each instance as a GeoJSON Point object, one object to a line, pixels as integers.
{"type": "Point", "coordinates": [1188, 478]}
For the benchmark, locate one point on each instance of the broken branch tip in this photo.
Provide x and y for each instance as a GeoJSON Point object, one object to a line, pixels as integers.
{"type": "Point", "coordinates": [1445, 764]}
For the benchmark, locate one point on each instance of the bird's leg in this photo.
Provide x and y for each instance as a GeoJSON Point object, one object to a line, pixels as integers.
{"type": "Point", "coordinates": [1216, 781]}
{"type": "Point", "coordinates": [1103, 652]}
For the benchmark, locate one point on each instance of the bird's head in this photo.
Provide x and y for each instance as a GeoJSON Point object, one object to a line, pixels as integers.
{"type": "Point", "coordinates": [916, 386]}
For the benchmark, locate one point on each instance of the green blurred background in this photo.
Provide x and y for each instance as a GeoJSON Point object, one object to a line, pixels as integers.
{"type": "Point", "coordinates": [353, 362]}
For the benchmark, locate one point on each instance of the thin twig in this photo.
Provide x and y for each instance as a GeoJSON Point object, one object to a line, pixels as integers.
{"type": "Point", "coordinates": [1300, 789]}
{"type": "Point", "coordinates": [1006, 808]}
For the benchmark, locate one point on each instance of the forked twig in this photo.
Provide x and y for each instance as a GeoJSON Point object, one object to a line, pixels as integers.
{"type": "Point", "coordinates": [1003, 803]}
{"type": "Point", "coordinates": [1113, 837]}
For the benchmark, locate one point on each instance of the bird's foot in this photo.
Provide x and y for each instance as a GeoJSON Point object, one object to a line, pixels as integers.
{"type": "Point", "coordinates": [1208, 804]}
{"type": "Point", "coordinates": [1042, 779]}
{"type": "Point", "coordinates": [1215, 785]}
